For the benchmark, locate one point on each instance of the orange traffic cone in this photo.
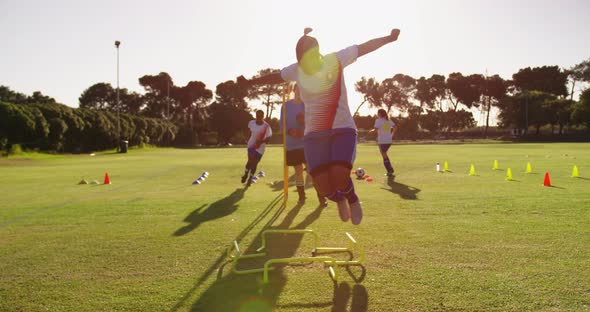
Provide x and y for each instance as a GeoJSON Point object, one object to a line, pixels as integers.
{"type": "Point", "coordinates": [106, 178]}
{"type": "Point", "coordinates": [547, 181]}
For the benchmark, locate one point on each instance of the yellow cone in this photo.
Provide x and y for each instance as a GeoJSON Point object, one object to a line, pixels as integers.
{"type": "Point", "coordinates": [575, 173]}
{"type": "Point", "coordinates": [472, 170]}
{"type": "Point", "coordinates": [508, 174]}
{"type": "Point", "coordinates": [529, 169]}
{"type": "Point", "coordinates": [495, 164]}
{"type": "Point", "coordinates": [446, 166]}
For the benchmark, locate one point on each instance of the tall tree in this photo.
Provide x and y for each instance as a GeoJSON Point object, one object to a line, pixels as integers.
{"type": "Point", "coordinates": [392, 93]}
{"type": "Point", "coordinates": [192, 98]}
{"type": "Point", "coordinates": [130, 102]}
{"type": "Point", "coordinates": [558, 112]}
{"type": "Point", "coordinates": [431, 92]}
{"type": "Point", "coordinates": [100, 96]}
{"type": "Point", "coordinates": [269, 94]}
{"type": "Point", "coordinates": [548, 79]}
{"type": "Point", "coordinates": [367, 88]}
{"type": "Point", "coordinates": [407, 89]}
{"type": "Point", "coordinates": [494, 90]}
{"type": "Point", "coordinates": [9, 96]}
{"type": "Point", "coordinates": [229, 113]}
{"type": "Point", "coordinates": [158, 88]}
{"type": "Point", "coordinates": [581, 110]}
{"type": "Point", "coordinates": [466, 90]}
{"type": "Point", "coordinates": [525, 108]}
{"type": "Point", "coordinates": [579, 72]}
{"type": "Point", "coordinates": [232, 95]}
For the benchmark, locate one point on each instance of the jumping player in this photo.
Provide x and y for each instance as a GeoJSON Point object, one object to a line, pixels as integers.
{"type": "Point", "coordinates": [386, 130]}
{"type": "Point", "coordinates": [330, 132]}
{"type": "Point", "coordinates": [260, 134]}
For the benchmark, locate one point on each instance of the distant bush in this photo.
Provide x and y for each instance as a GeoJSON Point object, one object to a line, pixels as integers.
{"type": "Point", "coordinates": [15, 149]}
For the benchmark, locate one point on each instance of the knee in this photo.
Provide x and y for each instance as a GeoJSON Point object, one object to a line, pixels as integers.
{"type": "Point", "coordinates": [323, 185]}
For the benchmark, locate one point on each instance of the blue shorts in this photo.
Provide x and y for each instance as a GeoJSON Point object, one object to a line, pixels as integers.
{"type": "Point", "coordinates": [254, 155]}
{"type": "Point", "coordinates": [384, 147]}
{"type": "Point", "coordinates": [330, 147]}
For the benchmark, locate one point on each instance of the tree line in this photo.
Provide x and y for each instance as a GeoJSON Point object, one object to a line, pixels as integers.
{"type": "Point", "coordinates": [171, 115]}
{"type": "Point", "coordinates": [38, 122]}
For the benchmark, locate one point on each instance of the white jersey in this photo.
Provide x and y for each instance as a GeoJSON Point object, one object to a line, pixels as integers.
{"type": "Point", "coordinates": [384, 127]}
{"type": "Point", "coordinates": [258, 134]}
{"type": "Point", "coordinates": [324, 93]}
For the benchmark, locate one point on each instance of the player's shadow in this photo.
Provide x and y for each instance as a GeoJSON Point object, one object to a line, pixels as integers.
{"type": "Point", "coordinates": [216, 210]}
{"type": "Point", "coordinates": [404, 191]}
{"type": "Point", "coordinates": [277, 186]}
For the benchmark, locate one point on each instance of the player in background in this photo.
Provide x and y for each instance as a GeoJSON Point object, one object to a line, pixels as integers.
{"type": "Point", "coordinates": [386, 130]}
{"type": "Point", "coordinates": [260, 134]}
{"type": "Point", "coordinates": [295, 124]}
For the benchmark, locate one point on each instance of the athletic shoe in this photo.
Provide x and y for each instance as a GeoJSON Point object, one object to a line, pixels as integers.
{"type": "Point", "coordinates": [244, 177]}
{"type": "Point", "coordinates": [390, 174]}
{"type": "Point", "coordinates": [344, 210]}
{"type": "Point", "coordinates": [357, 212]}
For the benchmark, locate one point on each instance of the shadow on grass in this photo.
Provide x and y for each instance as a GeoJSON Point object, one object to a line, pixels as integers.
{"type": "Point", "coordinates": [277, 186]}
{"type": "Point", "coordinates": [275, 204]}
{"type": "Point", "coordinates": [404, 191]}
{"type": "Point", "coordinates": [216, 210]}
{"type": "Point", "coordinates": [232, 292]}
{"type": "Point", "coordinates": [555, 187]}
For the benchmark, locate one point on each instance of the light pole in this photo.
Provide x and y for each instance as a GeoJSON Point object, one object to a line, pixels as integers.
{"type": "Point", "coordinates": [117, 44]}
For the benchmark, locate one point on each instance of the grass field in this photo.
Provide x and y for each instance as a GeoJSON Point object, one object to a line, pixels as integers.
{"type": "Point", "coordinates": [151, 241]}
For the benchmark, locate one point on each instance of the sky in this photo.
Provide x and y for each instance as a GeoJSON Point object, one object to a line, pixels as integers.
{"type": "Point", "coordinates": [63, 47]}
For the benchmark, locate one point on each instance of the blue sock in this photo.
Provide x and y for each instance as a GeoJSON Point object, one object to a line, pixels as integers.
{"type": "Point", "coordinates": [349, 193]}
{"type": "Point", "coordinates": [387, 165]}
{"type": "Point", "coordinates": [336, 196]}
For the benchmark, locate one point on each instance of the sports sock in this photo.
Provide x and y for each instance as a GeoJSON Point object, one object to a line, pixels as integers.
{"type": "Point", "coordinates": [336, 196]}
{"type": "Point", "coordinates": [349, 193]}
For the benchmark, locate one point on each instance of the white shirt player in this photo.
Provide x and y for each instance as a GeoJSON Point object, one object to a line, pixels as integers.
{"type": "Point", "coordinates": [324, 93]}
{"type": "Point", "coordinates": [258, 134]}
{"type": "Point", "coordinates": [384, 127]}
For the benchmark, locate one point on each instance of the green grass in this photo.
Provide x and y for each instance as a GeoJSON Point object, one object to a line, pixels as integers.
{"type": "Point", "coordinates": [151, 241]}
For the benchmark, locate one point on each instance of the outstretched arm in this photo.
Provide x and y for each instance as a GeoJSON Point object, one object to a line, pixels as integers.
{"type": "Point", "coordinates": [272, 78]}
{"type": "Point", "coordinates": [376, 43]}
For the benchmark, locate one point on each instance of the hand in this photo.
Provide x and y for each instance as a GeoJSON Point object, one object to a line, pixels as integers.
{"type": "Point", "coordinates": [394, 34]}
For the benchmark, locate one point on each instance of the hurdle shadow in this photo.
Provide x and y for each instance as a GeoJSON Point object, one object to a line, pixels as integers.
{"type": "Point", "coordinates": [404, 191]}
{"type": "Point", "coordinates": [221, 260]}
{"type": "Point", "coordinates": [216, 210]}
{"type": "Point", "coordinates": [232, 292]}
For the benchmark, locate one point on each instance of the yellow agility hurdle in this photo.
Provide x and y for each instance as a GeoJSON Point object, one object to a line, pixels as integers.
{"type": "Point", "coordinates": [330, 262]}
